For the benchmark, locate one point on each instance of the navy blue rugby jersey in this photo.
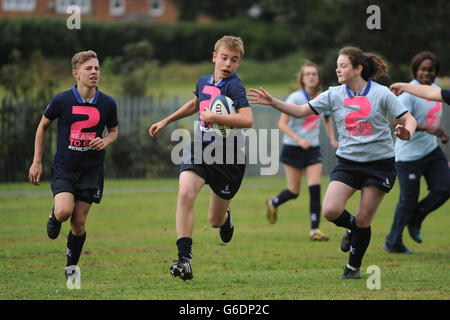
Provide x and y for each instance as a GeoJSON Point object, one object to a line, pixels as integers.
{"type": "Point", "coordinates": [206, 90]}
{"type": "Point", "coordinates": [78, 123]}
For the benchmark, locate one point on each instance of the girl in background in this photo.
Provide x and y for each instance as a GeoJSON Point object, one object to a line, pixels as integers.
{"type": "Point", "coordinates": [301, 150]}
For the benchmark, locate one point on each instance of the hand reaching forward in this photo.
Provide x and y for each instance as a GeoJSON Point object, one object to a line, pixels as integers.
{"type": "Point", "coordinates": [260, 96]}
{"type": "Point", "coordinates": [397, 88]}
{"type": "Point", "coordinates": [402, 132]}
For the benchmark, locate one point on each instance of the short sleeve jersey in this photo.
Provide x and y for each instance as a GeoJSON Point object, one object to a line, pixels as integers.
{"type": "Point", "coordinates": [206, 90]}
{"type": "Point", "coordinates": [425, 112]}
{"type": "Point", "coordinates": [78, 123]}
{"type": "Point", "coordinates": [362, 121]}
{"type": "Point", "coordinates": [307, 128]}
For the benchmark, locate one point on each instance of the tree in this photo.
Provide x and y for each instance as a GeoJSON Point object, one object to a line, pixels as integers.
{"type": "Point", "coordinates": [189, 10]}
{"type": "Point", "coordinates": [407, 27]}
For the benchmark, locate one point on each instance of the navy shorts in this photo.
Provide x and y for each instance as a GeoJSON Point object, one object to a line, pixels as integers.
{"type": "Point", "coordinates": [297, 157]}
{"type": "Point", "coordinates": [223, 179]}
{"type": "Point", "coordinates": [380, 173]}
{"type": "Point", "coordinates": [85, 185]}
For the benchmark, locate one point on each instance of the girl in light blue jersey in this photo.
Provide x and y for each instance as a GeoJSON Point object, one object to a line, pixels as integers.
{"type": "Point", "coordinates": [420, 156]}
{"type": "Point", "coordinates": [361, 109]}
{"type": "Point", "coordinates": [301, 150]}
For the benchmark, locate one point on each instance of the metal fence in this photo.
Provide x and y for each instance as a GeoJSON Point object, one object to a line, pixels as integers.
{"type": "Point", "coordinates": [135, 154]}
{"type": "Point", "coordinates": [18, 123]}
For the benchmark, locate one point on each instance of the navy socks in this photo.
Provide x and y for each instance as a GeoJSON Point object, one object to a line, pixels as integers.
{"type": "Point", "coordinates": [345, 220]}
{"type": "Point", "coordinates": [360, 238]}
{"type": "Point", "coordinates": [360, 243]}
{"type": "Point", "coordinates": [74, 247]}
{"type": "Point", "coordinates": [184, 246]}
{"type": "Point", "coordinates": [314, 205]}
{"type": "Point", "coordinates": [284, 196]}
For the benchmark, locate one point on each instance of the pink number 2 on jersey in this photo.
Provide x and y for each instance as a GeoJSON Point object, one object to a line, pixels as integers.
{"type": "Point", "coordinates": [355, 128]}
{"type": "Point", "coordinates": [432, 118]}
{"type": "Point", "coordinates": [78, 138]}
{"type": "Point", "coordinates": [213, 92]}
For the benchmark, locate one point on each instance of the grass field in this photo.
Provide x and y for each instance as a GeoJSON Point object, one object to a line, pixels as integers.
{"type": "Point", "coordinates": [131, 244]}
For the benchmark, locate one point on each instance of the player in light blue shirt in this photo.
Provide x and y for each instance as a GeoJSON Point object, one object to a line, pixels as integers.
{"type": "Point", "coordinates": [361, 108]}
{"type": "Point", "coordinates": [301, 150]}
{"type": "Point", "coordinates": [427, 114]}
{"type": "Point", "coordinates": [420, 156]}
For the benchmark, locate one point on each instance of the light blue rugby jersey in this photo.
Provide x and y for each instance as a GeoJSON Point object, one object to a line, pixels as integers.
{"type": "Point", "coordinates": [425, 112]}
{"type": "Point", "coordinates": [307, 128]}
{"type": "Point", "coordinates": [362, 121]}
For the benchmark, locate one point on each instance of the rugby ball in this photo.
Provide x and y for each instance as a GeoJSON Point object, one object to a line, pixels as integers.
{"type": "Point", "coordinates": [222, 105]}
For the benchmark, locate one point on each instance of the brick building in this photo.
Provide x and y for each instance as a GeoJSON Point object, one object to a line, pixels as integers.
{"type": "Point", "coordinates": [105, 10]}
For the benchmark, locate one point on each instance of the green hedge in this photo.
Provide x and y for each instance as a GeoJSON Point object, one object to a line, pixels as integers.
{"type": "Point", "coordinates": [183, 41]}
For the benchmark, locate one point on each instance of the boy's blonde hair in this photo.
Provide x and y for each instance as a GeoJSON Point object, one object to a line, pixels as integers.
{"type": "Point", "coordinates": [231, 42]}
{"type": "Point", "coordinates": [81, 57]}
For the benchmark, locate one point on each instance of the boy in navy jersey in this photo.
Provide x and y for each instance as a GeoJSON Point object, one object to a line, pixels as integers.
{"type": "Point", "coordinates": [76, 180]}
{"type": "Point", "coordinates": [223, 177]}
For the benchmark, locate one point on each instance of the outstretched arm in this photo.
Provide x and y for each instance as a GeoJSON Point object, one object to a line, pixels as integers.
{"type": "Point", "coordinates": [262, 96]}
{"type": "Point", "coordinates": [186, 110]}
{"type": "Point", "coordinates": [436, 131]}
{"type": "Point", "coordinates": [423, 91]}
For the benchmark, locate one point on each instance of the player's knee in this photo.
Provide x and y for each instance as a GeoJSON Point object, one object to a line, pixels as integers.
{"type": "Point", "coordinates": [186, 195]}
{"type": "Point", "coordinates": [331, 212]}
{"type": "Point", "coordinates": [62, 214]}
{"type": "Point", "coordinates": [329, 215]}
